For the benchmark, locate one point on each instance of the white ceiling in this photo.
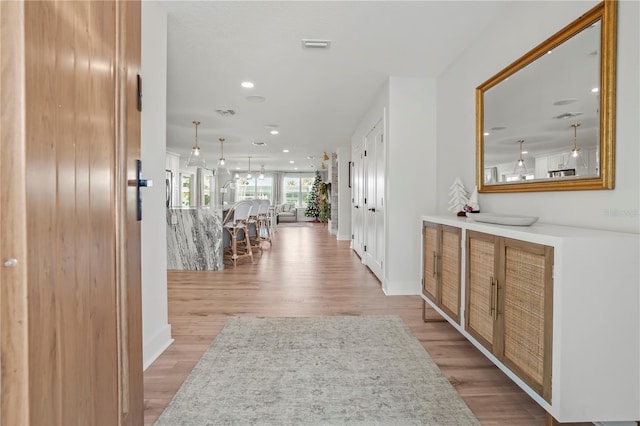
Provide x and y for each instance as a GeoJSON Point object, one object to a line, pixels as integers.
{"type": "Point", "coordinates": [315, 97]}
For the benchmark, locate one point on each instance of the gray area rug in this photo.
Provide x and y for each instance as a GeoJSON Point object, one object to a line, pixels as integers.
{"type": "Point", "coordinates": [367, 370]}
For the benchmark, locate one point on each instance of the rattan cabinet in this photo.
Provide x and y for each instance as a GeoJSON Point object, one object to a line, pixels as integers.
{"type": "Point", "coordinates": [441, 267]}
{"type": "Point", "coordinates": [509, 304]}
{"type": "Point", "coordinates": [556, 308]}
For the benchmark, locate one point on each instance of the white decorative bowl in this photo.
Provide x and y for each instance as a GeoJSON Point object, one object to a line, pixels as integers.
{"type": "Point", "coordinates": [502, 219]}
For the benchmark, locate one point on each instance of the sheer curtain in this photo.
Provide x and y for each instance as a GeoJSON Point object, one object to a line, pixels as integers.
{"type": "Point", "coordinates": [277, 188]}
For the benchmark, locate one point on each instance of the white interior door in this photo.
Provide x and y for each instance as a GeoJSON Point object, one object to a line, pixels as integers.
{"type": "Point", "coordinates": [374, 205]}
{"type": "Point", "coordinates": [357, 201]}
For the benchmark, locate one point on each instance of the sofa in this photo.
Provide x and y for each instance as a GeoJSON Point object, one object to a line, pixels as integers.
{"type": "Point", "coordinates": [287, 213]}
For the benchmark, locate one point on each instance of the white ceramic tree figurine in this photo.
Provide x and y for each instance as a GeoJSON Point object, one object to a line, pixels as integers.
{"type": "Point", "coordinates": [458, 196]}
{"type": "Point", "coordinates": [473, 205]}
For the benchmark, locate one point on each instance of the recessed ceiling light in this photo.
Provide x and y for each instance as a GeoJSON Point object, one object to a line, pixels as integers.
{"type": "Point", "coordinates": [295, 168]}
{"type": "Point", "coordinates": [256, 99]}
{"type": "Point", "coordinates": [247, 84]}
{"type": "Point", "coordinates": [274, 132]}
{"type": "Point", "coordinates": [486, 133]}
{"type": "Point", "coordinates": [525, 152]}
{"type": "Point", "coordinates": [259, 143]}
{"type": "Point", "coordinates": [291, 161]}
{"type": "Point", "coordinates": [595, 90]}
{"type": "Point", "coordinates": [285, 150]}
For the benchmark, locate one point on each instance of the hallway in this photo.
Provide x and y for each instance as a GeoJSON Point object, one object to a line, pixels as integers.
{"type": "Point", "coordinates": [308, 272]}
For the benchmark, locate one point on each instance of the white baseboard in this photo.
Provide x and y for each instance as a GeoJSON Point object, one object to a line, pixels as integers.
{"type": "Point", "coordinates": [401, 288]}
{"type": "Point", "coordinates": [152, 348]}
{"type": "Point", "coordinates": [343, 237]}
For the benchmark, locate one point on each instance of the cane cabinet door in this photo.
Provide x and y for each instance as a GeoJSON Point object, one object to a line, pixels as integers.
{"type": "Point", "coordinates": [441, 267]}
{"type": "Point", "coordinates": [449, 270]}
{"type": "Point", "coordinates": [525, 313]}
{"type": "Point", "coordinates": [430, 258]}
{"type": "Point", "coordinates": [509, 289]}
{"type": "Point", "coordinates": [481, 282]}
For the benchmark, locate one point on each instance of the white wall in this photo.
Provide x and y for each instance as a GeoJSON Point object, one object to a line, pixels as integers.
{"type": "Point", "coordinates": [523, 26]}
{"type": "Point", "coordinates": [410, 143]}
{"type": "Point", "coordinates": [344, 194]}
{"type": "Point", "coordinates": [410, 178]}
{"type": "Point", "coordinates": [156, 331]}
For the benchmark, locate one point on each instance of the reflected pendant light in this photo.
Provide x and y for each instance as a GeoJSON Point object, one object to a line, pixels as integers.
{"type": "Point", "coordinates": [195, 159]}
{"type": "Point", "coordinates": [575, 152]}
{"type": "Point", "coordinates": [221, 170]}
{"type": "Point", "coordinates": [520, 168]}
{"type": "Point", "coordinates": [261, 172]}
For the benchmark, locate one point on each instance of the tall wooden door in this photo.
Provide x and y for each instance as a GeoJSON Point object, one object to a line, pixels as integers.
{"type": "Point", "coordinates": [71, 327]}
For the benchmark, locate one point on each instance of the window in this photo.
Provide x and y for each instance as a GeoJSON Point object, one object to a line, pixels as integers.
{"type": "Point", "coordinates": [264, 188]}
{"type": "Point", "coordinates": [297, 188]}
{"type": "Point", "coordinates": [206, 185]}
{"type": "Point", "coordinates": [185, 190]}
{"type": "Point", "coordinates": [248, 189]}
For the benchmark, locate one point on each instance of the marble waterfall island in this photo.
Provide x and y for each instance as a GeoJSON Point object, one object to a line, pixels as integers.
{"type": "Point", "coordinates": [194, 239]}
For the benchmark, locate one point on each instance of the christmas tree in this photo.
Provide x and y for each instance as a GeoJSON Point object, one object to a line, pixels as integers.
{"type": "Point", "coordinates": [313, 204]}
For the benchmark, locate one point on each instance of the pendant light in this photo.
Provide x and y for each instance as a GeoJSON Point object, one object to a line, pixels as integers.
{"type": "Point", "coordinates": [196, 148]}
{"type": "Point", "coordinates": [261, 172]}
{"type": "Point", "coordinates": [195, 159]}
{"type": "Point", "coordinates": [575, 152]}
{"type": "Point", "coordinates": [249, 169]}
{"type": "Point", "coordinates": [325, 157]}
{"type": "Point", "coordinates": [520, 168]}
{"type": "Point", "coordinates": [221, 170]}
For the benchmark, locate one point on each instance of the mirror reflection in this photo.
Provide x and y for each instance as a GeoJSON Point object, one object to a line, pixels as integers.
{"type": "Point", "coordinates": [543, 122]}
{"type": "Point", "coordinates": [547, 121]}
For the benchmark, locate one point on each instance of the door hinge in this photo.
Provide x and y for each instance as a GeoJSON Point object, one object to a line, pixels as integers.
{"type": "Point", "coordinates": [352, 237]}
{"type": "Point", "coordinates": [365, 248]}
{"type": "Point", "coordinates": [365, 152]}
{"type": "Point", "coordinates": [365, 200]}
{"type": "Point", "coordinates": [382, 264]}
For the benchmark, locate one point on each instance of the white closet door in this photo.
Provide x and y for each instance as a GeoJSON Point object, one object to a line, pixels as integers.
{"type": "Point", "coordinates": [358, 201]}
{"type": "Point", "coordinates": [374, 213]}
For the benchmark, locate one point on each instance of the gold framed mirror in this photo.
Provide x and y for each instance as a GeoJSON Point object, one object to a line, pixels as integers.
{"type": "Point", "coordinates": [547, 121]}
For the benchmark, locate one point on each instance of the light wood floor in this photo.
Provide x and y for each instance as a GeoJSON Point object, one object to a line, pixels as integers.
{"type": "Point", "coordinates": [307, 272]}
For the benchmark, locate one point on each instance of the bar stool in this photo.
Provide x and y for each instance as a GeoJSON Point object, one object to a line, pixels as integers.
{"type": "Point", "coordinates": [236, 225]}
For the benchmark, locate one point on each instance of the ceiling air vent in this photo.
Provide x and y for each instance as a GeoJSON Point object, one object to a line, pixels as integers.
{"type": "Point", "coordinates": [225, 112]}
{"type": "Point", "coordinates": [259, 143]}
{"type": "Point", "coordinates": [308, 43]}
